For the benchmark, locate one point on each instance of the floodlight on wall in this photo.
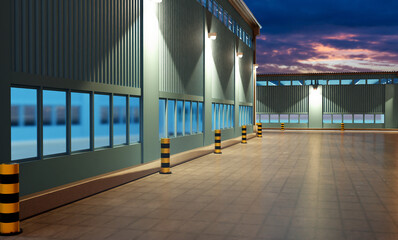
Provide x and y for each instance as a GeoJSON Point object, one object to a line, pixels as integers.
{"type": "Point", "coordinates": [240, 54]}
{"type": "Point", "coordinates": [213, 36]}
{"type": "Point", "coordinates": [255, 66]}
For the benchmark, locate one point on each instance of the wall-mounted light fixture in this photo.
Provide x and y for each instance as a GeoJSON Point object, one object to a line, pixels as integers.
{"type": "Point", "coordinates": [213, 36]}
{"type": "Point", "coordinates": [240, 54]}
{"type": "Point", "coordinates": [255, 66]}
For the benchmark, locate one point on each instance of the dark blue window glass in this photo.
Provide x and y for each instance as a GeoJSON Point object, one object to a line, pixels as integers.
{"type": "Point", "coordinates": [187, 118]}
{"type": "Point", "coordinates": [23, 123]}
{"type": "Point", "coordinates": [80, 121]}
{"type": "Point", "coordinates": [200, 117]}
{"type": "Point", "coordinates": [215, 9]}
{"type": "Point", "coordinates": [180, 118]}
{"type": "Point", "coordinates": [210, 5]}
{"type": "Point", "coordinates": [171, 118]}
{"type": "Point", "coordinates": [135, 119]}
{"type": "Point", "coordinates": [194, 117]}
{"type": "Point", "coordinates": [101, 120]}
{"type": "Point", "coordinates": [162, 118]}
{"type": "Point", "coordinates": [119, 120]}
{"type": "Point", "coordinates": [220, 13]}
{"type": "Point", "coordinates": [273, 83]}
{"type": "Point", "coordinates": [54, 134]}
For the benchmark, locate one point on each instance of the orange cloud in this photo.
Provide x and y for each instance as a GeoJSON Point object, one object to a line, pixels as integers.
{"type": "Point", "coordinates": [343, 36]}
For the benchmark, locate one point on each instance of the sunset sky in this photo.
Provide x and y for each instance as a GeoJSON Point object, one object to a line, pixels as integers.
{"type": "Point", "coordinates": [326, 36]}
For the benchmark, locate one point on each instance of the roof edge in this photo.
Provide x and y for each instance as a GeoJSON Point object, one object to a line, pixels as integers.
{"type": "Point", "coordinates": [247, 15]}
{"type": "Point", "coordinates": [326, 73]}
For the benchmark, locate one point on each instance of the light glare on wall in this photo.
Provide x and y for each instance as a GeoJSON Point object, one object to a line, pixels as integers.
{"type": "Point", "coordinates": [240, 54]}
{"type": "Point", "coordinates": [255, 66]}
{"type": "Point", "coordinates": [213, 36]}
{"type": "Point", "coordinates": [157, 1]}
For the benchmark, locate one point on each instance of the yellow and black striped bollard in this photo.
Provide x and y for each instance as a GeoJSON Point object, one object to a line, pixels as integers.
{"type": "Point", "coordinates": [259, 130]}
{"type": "Point", "coordinates": [342, 127]}
{"type": "Point", "coordinates": [217, 142]}
{"type": "Point", "coordinates": [282, 126]}
{"type": "Point", "coordinates": [165, 156]}
{"type": "Point", "coordinates": [244, 134]}
{"type": "Point", "coordinates": [9, 200]}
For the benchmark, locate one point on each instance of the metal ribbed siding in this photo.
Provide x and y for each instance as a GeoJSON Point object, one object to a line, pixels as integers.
{"type": "Point", "coordinates": [93, 40]}
{"type": "Point", "coordinates": [181, 47]}
{"type": "Point", "coordinates": [293, 99]}
{"type": "Point", "coordinates": [354, 99]}
{"type": "Point", "coordinates": [246, 74]}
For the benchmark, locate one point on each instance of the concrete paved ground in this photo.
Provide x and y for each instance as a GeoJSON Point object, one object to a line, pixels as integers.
{"type": "Point", "coordinates": [287, 185]}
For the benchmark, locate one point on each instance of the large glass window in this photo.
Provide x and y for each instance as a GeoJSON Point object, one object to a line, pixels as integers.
{"type": "Point", "coordinates": [200, 117]}
{"type": "Point", "coordinates": [187, 117]}
{"type": "Point", "coordinates": [274, 118]}
{"type": "Point", "coordinates": [135, 119]}
{"type": "Point", "coordinates": [101, 120]}
{"type": "Point", "coordinates": [54, 135]}
{"type": "Point", "coordinates": [80, 120]}
{"type": "Point", "coordinates": [171, 117]}
{"type": "Point", "coordinates": [294, 118]}
{"type": "Point", "coordinates": [346, 82]}
{"type": "Point", "coordinates": [180, 118]}
{"type": "Point", "coordinates": [304, 118]}
{"type": "Point", "coordinates": [162, 118]}
{"type": "Point", "coordinates": [358, 118]}
{"type": "Point", "coordinates": [347, 118]}
{"type": "Point", "coordinates": [327, 118]}
{"type": "Point", "coordinates": [369, 118]}
{"type": "Point", "coordinates": [284, 118]}
{"type": "Point", "coordinates": [119, 120]}
{"type": "Point", "coordinates": [194, 117]}
{"type": "Point", "coordinates": [216, 117]}
{"type": "Point", "coordinates": [24, 134]}
{"type": "Point", "coordinates": [232, 116]}
{"type": "Point", "coordinates": [264, 118]}
{"type": "Point", "coordinates": [379, 118]}
{"type": "Point", "coordinates": [213, 116]}
{"type": "Point", "coordinates": [337, 118]}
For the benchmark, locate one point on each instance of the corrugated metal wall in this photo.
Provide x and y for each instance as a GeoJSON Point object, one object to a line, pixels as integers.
{"type": "Point", "coordinates": [91, 40]}
{"type": "Point", "coordinates": [354, 99]}
{"type": "Point", "coordinates": [246, 73]}
{"type": "Point", "coordinates": [293, 99]}
{"type": "Point", "coordinates": [181, 47]}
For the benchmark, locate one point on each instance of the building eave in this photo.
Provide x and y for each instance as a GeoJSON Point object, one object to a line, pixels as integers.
{"type": "Point", "coordinates": [247, 15]}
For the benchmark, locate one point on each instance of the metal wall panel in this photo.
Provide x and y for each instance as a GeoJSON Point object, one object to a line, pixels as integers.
{"type": "Point", "coordinates": [94, 40]}
{"type": "Point", "coordinates": [292, 99]}
{"type": "Point", "coordinates": [245, 73]}
{"type": "Point", "coordinates": [354, 99]}
{"type": "Point", "coordinates": [181, 47]}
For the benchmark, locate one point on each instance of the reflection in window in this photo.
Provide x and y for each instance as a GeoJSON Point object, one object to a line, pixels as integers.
{"type": "Point", "coordinates": [101, 120]}
{"type": "Point", "coordinates": [337, 118]}
{"type": "Point", "coordinates": [54, 135]}
{"type": "Point", "coordinates": [327, 118]}
{"type": "Point", "coordinates": [194, 117]}
{"type": "Point", "coordinates": [286, 83]}
{"type": "Point", "coordinates": [347, 118]}
{"type": "Point", "coordinates": [14, 115]}
{"type": "Point", "coordinates": [119, 126]}
{"type": "Point", "coordinates": [171, 118]}
{"type": "Point", "coordinates": [358, 118]}
{"type": "Point", "coordinates": [187, 118]}
{"type": "Point", "coordinates": [359, 81]}
{"type": "Point", "coordinates": [297, 83]}
{"type": "Point", "coordinates": [294, 118]}
{"type": "Point", "coordinates": [180, 118]}
{"type": "Point", "coordinates": [162, 118]}
{"type": "Point", "coordinates": [273, 83]}
{"type": "Point", "coordinates": [200, 117]}
{"type": "Point", "coordinates": [80, 117]}
{"type": "Point", "coordinates": [304, 118]}
{"type": "Point", "coordinates": [24, 139]}
{"type": "Point", "coordinates": [373, 81]}
{"type": "Point", "coordinates": [261, 83]}
{"type": "Point", "coordinates": [135, 119]}
{"type": "Point", "coordinates": [47, 115]}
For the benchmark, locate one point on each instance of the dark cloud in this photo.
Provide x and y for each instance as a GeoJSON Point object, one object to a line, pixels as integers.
{"type": "Point", "coordinates": [299, 31]}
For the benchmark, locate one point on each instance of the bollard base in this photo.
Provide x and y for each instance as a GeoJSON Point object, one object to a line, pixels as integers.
{"type": "Point", "coordinates": [165, 173]}
{"type": "Point", "coordinates": [217, 153]}
{"type": "Point", "coordinates": [11, 234]}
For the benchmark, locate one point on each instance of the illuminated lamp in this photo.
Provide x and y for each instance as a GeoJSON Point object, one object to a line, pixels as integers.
{"type": "Point", "coordinates": [213, 36]}
{"type": "Point", "coordinates": [255, 66]}
{"type": "Point", "coordinates": [240, 54]}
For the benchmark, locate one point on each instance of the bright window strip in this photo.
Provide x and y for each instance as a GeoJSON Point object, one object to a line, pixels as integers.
{"type": "Point", "coordinates": [373, 81]}
{"type": "Point", "coordinates": [286, 83]}
{"type": "Point", "coordinates": [379, 118]}
{"type": "Point", "coordinates": [180, 118]}
{"type": "Point", "coordinates": [119, 120]}
{"type": "Point", "coordinates": [304, 118]}
{"type": "Point", "coordinates": [327, 118]}
{"type": "Point", "coordinates": [297, 83]}
{"type": "Point", "coordinates": [284, 118]}
{"type": "Point", "coordinates": [187, 115]}
{"type": "Point", "coordinates": [347, 118]}
{"type": "Point", "coordinates": [171, 104]}
{"type": "Point", "coordinates": [346, 82]}
{"type": "Point", "coordinates": [359, 81]}
{"type": "Point", "coordinates": [369, 118]}
{"type": "Point", "coordinates": [274, 118]}
{"type": "Point", "coordinates": [294, 118]}
{"type": "Point", "coordinates": [264, 118]}
{"type": "Point", "coordinates": [80, 132]}
{"type": "Point", "coordinates": [334, 82]}
{"type": "Point", "coordinates": [358, 118]}
{"type": "Point", "coordinates": [135, 119]}
{"type": "Point", "coordinates": [101, 120]}
{"type": "Point", "coordinates": [337, 118]}
{"type": "Point", "coordinates": [200, 117]}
